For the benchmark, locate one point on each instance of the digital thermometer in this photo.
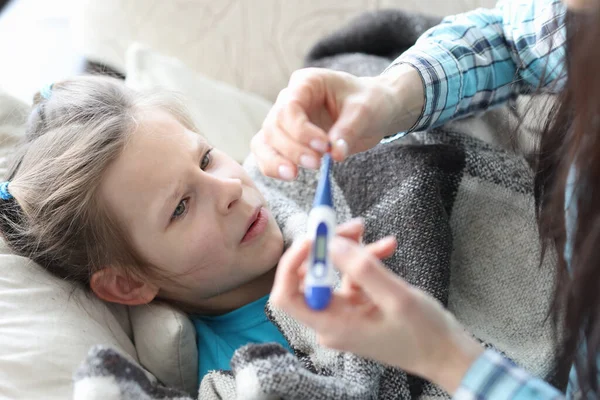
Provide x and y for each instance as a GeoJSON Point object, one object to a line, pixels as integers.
{"type": "Point", "coordinates": [320, 277]}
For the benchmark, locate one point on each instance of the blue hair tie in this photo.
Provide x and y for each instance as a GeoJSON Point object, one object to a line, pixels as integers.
{"type": "Point", "coordinates": [46, 91]}
{"type": "Point", "coordinates": [4, 193]}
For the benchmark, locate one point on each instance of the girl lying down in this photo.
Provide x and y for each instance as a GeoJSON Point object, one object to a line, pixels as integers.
{"type": "Point", "coordinates": [117, 191]}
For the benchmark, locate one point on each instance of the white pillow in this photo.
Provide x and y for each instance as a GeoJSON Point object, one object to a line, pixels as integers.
{"type": "Point", "coordinates": [47, 328]}
{"type": "Point", "coordinates": [225, 115]}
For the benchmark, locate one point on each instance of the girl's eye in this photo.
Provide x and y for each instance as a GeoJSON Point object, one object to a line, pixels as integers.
{"type": "Point", "coordinates": [206, 160]}
{"type": "Point", "coordinates": [182, 206]}
{"type": "Point", "coordinates": [180, 209]}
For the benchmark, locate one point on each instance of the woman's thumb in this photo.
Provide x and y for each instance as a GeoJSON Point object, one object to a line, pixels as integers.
{"type": "Point", "coordinates": [348, 130]}
{"type": "Point", "coordinates": [380, 284]}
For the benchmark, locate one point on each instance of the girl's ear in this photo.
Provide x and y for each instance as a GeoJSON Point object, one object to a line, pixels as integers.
{"type": "Point", "coordinates": [112, 285]}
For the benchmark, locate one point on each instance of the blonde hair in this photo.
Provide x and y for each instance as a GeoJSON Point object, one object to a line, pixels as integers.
{"type": "Point", "coordinates": [56, 217]}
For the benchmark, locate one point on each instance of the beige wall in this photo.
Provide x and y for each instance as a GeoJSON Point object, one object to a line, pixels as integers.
{"type": "Point", "coordinates": [251, 44]}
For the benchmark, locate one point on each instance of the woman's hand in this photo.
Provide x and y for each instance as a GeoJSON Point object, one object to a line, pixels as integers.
{"type": "Point", "coordinates": [322, 107]}
{"type": "Point", "coordinates": [378, 315]}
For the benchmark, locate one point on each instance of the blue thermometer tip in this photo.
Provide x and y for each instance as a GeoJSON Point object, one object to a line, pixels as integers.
{"type": "Point", "coordinates": [323, 194]}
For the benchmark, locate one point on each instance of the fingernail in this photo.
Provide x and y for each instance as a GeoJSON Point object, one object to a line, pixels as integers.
{"type": "Point", "coordinates": [319, 145]}
{"type": "Point", "coordinates": [342, 147]}
{"type": "Point", "coordinates": [310, 162]}
{"type": "Point", "coordinates": [286, 172]}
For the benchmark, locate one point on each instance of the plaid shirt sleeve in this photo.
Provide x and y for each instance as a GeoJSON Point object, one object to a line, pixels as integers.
{"type": "Point", "coordinates": [494, 377]}
{"type": "Point", "coordinates": [476, 60]}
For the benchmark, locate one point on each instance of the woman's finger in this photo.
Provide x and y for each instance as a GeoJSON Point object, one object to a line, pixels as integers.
{"type": "Point", "coordinates": [354, 119]}
{"type": "Point", "coordinates": [294, 151]}
{"type": "Point", "coordinates": [380, 284]}
{"type": "Point", "coordinates": [306, 91]}
{"type": "Point", "coordinates": [352, 229]}
{"type": "Point", "coordinates": [301, 275]}
{"type": "Point", "coordinates": [383, 248]}
{"type": "Point", "coordinates": [287, 283]}
{"type": "Point", "coordinates": [352, 292]}
{"type": "Point", "coordinates": [287, 291]}
{"type": "Point", "coordinates": [292, 266]}
{"type": "Point", "coordinates": [288, 295]}
{"type": "Point", "coordinates": [293, 119]}
{"type": "Point", "coordinates": [269, 161]}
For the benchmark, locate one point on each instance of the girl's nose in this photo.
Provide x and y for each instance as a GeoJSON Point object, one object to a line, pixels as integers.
{"type": "Point", "coordinates": [230, 192]}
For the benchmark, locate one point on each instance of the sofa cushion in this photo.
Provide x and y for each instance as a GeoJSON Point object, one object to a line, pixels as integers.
{"type": "Point", "coordinates": [165, 340]}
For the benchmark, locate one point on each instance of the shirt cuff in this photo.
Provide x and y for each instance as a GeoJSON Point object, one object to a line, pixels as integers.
{"type": "Point", "coordinates": [442, 83]}
{"type": "Point", "coordinates": [494, 377]}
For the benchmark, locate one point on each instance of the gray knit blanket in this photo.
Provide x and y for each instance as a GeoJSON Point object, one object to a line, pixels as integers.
{"type": "Point", "coordinates": [463, 213]}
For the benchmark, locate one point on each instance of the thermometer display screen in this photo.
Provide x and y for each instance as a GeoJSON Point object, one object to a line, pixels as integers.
{"type": "Point", "coordinates": [320, 249]}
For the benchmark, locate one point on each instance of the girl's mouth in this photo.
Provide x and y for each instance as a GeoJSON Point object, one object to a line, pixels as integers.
{"type": "Point", "coordinates": [258, 226]}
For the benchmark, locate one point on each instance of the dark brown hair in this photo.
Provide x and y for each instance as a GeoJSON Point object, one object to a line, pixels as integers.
{"type": "Point", "coordinates": [569, 159]}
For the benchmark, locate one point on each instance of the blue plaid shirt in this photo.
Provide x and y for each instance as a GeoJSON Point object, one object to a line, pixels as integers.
{"type": "Point", "coordinates": [470, 63]}
{"type": "Point", "coordinates": [480, 59]}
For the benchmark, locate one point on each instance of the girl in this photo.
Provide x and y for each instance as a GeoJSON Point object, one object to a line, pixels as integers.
{"type": "Point", "coordinates": [114, 190]}
{"type": "Point", "coordinates": [467, 64]}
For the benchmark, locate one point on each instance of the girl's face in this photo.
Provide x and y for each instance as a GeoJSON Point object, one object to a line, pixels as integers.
{"type": "Point", "coordinates": [193, 212]}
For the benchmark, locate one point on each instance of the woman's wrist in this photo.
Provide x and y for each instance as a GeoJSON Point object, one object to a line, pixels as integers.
{"type": "Point", "coordinates": [404, 86]}
{"type": "Point", "coordinates": [459, 353]}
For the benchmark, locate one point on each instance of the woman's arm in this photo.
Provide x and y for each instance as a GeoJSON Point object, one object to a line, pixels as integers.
{"type": "Point", "coordinates": [474, 61]}
{"type": "Point", "coordinates": [469, 63]}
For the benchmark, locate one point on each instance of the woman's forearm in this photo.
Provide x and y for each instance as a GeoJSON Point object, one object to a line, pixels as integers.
{"type": "Point", "coordinates": [482, 58]}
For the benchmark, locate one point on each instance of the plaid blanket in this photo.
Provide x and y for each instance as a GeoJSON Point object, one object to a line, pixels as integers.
{"type": "Point", "coordinates": [463, 213]}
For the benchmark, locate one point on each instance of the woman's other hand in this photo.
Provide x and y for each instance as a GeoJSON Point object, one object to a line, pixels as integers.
{"type": "Point", "coordinates": [378, 315]}
{"type": "Point", "coordinates": [322, 107]}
